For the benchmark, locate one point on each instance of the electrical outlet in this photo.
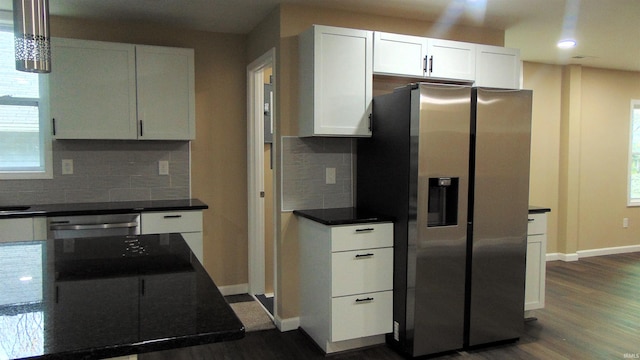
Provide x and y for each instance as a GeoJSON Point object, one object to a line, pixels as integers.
{"type": "Point", "coordinates": [67, 166]}
{"type": "Point", "coordinates": [163, 167]}
{"type": "Point", "coordinates": [330, 176]}
{"type": "Point", "coordinates": [625, 222]}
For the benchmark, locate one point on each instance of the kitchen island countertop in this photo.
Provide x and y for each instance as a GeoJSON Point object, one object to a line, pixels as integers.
{"type": "Point", "coordinates": [104, 297]}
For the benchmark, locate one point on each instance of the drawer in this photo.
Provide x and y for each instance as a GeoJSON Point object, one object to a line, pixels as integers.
{"type": "Point", "coordinates": [361, 271]}
{"type": "Point", "coordinates": [170, 222]}
{"type": "Point", "coordinates": [18, 229]}
{"type": "Point", "coordinates": [361, 236]}
{"type": "Point", "coordinates": [537, 224]}
{"type": "Point", "coordinates": [361, 315]}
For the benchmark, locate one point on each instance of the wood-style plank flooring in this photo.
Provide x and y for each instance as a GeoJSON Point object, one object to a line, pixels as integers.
{"type": "Point", "coordinates": [592, 312]}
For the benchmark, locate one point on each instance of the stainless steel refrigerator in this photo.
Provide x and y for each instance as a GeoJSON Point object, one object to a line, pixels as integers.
{"type": "Point", "coordinates": [451, 164]}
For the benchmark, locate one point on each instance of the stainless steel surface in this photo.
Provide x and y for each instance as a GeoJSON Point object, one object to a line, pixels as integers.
{"type": "Point", "coordinates": [440, 252]}
{"type": "Point", "coordinates": [64, 227]}
{"type": "Point", "coordinates": [459, 261]}
{"type": "Point", "coordinates": [503, 126]}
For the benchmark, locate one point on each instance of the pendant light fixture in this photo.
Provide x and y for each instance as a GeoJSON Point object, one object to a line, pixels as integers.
{"type": "Point", "coordinates": [31, 31]}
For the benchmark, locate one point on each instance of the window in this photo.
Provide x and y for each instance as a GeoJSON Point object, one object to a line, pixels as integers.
{"type": "Point", "coordinates": [25, 145]}
{"type": "Point", "coordinates": [634, 155]}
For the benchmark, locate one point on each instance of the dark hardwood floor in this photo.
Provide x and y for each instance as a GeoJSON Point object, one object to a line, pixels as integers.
{"type": "Point", "coordinates": [592, 312]}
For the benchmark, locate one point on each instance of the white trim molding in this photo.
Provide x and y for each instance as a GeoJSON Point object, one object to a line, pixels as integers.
{"type": "Point", "coordinates": [593, 252]}
{"type": "Point", "coordinates": [287, 324]}
{"type": "Point", "coordinates": [234, 289]}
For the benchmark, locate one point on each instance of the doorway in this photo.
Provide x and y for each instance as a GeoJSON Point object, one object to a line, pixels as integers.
{"type": "Point", "coordinates": [261, 206]}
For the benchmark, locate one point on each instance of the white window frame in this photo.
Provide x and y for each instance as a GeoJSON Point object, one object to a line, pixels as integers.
{"type": "Point", "coordinates": [635, 105]}
{"type": "Point", "coordinates": [44, 127]}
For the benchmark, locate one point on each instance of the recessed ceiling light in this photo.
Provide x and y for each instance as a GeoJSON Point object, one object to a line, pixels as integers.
{"type": "Point", "coordinates": [566, 44]}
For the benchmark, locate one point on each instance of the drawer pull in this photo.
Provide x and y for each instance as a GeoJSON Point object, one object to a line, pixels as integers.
{"type": "Point", "coordinates": [360, 256]}
{"type": "Point", "coordinates": [365, 229]}
{"type": "Point", "coordinates": [364, 300]}
{"type": "Point", "coordinates": [172, 216]}
{"type": "Point", "coordinates": [530, 220]}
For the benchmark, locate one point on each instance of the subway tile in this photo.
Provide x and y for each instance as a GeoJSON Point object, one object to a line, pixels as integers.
{"type": "Point", "coordinates": [87, 195]}
{"type": "Point", "coordinates": [156, 181]}
{"type": "Point", "coordinates": [169, 193]}
{"type": "Point", "coordinates": [139, 194]}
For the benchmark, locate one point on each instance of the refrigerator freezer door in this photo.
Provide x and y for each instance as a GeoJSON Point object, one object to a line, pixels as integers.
{"type": "Point", "coordinates": [500, 208]}
{"type": "Point", "coordinates": [437, 249]}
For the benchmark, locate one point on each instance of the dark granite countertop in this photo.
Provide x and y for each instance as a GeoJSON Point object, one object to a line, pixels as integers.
{"type": "Point", "coordinates": [99, 208]}
{"type": "Point", "coordinates": [538, 210]}
{"type": "Point", "coordinates": [342, 216]}
{"type": "Point", "coordinates": [104, 297]}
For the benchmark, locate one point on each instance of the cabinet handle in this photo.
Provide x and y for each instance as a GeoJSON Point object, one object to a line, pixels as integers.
{"type": "Point", "coordinates": [364, 300]}
{"type": "Point", "coordinates": [57, 294]}
{"type": "Point", "coordinates": [360, 256]}
{"type": "Point", "coordinates": [425, 64]}
{"type": "Point", "coordinates": [172, 216]}
{"type": "Point", "coordinates": [370, 122]}
{"type": "Point", "coordinates": [141, 128]}
{"type": "Point", "coordinates": [365, 229]}
{"type": "Point", "coordinates": [530, 220]}
{"type": "Point", "coordinates": [142, 286]}
{"type": "Point", "coordinates": [431, 64]}
{"type": "Point", "coordinates": [54, 126]}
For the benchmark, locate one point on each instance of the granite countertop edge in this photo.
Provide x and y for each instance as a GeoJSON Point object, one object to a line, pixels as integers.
{"type": "Point", "coordinates": [101, 208]}
{"type": "Point", "coordinates": [342, 216]}
{"type": "Point", "coordinates": [351, 215]}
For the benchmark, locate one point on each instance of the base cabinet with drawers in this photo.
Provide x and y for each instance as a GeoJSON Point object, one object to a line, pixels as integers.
{"type": "Point", "coordinates": [187, 223]}
{"type": "Point", "coordinates": [346, 282]}
{"type": "Point", "coordinates": [536, 262]}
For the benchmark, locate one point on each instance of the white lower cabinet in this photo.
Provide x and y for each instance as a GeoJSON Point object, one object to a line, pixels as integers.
{"type": "Point", "coordinates": [18, 229]}
{"type": "Point", "coordinates": [187, 223]}
{"type": "Point", "coordinates": [346, 282]}
{"type": "Point", "coordinates": [536, 262]}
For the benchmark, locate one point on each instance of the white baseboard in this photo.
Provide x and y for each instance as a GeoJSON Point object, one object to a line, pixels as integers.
{"type": "Point", "coordinates": [562, 257]}
{"type": "Point", "coordinates": [234, 289]}
{"type": "Point", "coordinates": [609, 251]}
{"type": "Point", "coordinates": [592, 252]}
{"type": "Point", "coordinates": [287, 324]}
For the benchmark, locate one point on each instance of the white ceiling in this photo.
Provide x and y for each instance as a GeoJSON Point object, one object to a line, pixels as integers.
{"type": "Point", "coordinates": [607, 31]}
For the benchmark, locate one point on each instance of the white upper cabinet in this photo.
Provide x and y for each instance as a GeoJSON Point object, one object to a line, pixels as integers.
{"type": "Point", "coordinates": [498, 67]}
{"type": "Point", "coordinates": [102, 90]}
{"type": "Point", "coordinates": [336, 81]}
{"type": "Point", "coordinates": [397, 54]}
{"type": "Point", "coordinates": [451, 59]}
{"type": "Point", "coordinates": [92, 89]}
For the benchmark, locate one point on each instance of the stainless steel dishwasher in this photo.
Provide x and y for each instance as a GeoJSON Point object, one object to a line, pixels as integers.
{"type": "Point", "coordinates": [82, 226]}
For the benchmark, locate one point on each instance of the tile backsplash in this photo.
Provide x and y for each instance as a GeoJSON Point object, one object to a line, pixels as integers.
{"type": "Point", "coordinates": [304, 164]}
{"type": "Point", "coordinates": [106, 171]}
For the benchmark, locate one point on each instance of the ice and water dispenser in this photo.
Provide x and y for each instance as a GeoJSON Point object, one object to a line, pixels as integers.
{"type": "Point", "coordinates": [443, 201]}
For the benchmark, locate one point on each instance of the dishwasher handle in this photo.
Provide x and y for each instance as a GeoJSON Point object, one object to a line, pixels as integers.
{"type": "Point", "coordinates": [94, 226]}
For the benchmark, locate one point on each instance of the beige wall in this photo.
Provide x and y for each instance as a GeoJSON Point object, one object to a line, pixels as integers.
{"type": "Point", "coordinates": [293, 20]}
{"type": "Point", "coordinates": [605, 123]}
{"type": "Point", "coordinates": [219, 151]}
{"type": "Point", "coordinates": [579, 154]}
{"type": "Point", "coordinates": [545, 81]}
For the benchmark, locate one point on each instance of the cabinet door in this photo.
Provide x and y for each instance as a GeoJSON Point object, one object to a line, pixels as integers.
{"type": "Point", "coordinates": [336, 79]}
{"type": "Point", "coordinates": [398, 54]}
{"type": "Point", "coordinates": [451, 59]}
{"type": "Point", "coordinates": [92, 89]}
{"type": "Point", "coordinates": [535, 273]}
{"type": "Point", "coordinates": [498, 67]}
{"type": "Point", "coordinates": [166, 104]}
